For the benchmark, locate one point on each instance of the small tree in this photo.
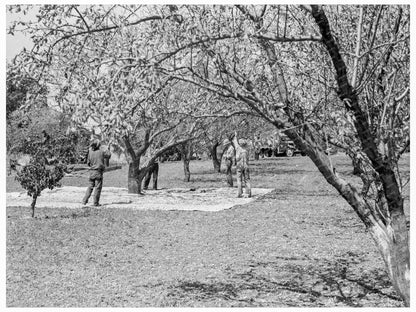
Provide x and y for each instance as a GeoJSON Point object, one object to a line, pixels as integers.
{"type": "Point", "coordinates": [47, 165]}
{"type": "Point", "coordinates": [37, 176]}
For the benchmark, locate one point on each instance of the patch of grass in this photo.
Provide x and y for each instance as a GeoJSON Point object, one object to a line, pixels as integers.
{"type": "Point", "coordinates": [297, 246]}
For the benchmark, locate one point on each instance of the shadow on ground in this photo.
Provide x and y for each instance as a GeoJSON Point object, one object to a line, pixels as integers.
{"type": "Point", "coordinates": [286, 282]}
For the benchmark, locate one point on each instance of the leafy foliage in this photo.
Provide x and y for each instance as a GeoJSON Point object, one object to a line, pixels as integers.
{"type": "Point", "coordinates": [37, 176]}
{"type": "Point", "coordinates": [47, 165]}
{"type": "Point", "coordinates": [27, 126]}
{"type": "Point", "coordinates": [19, 85]}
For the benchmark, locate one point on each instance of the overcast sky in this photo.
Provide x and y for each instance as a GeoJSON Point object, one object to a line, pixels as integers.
{"type": "Point", "coordinates": [14, 44]}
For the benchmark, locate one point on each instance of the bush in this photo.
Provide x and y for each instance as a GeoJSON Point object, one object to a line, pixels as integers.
{"type": "Point", "coordinates": [48, 162]}
{"type": "Point", "coordinates": [38, 175]}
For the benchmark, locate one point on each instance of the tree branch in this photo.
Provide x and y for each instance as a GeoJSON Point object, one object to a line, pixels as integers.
{"type": "Point", "coordinates": [404, 149]}
{"type": "Point", "coordinates": [130, 148]}
{"type": "Point", "coordinates": [400, 97]}
{"type": "Point", "coordinates": [225, 115]}
{"type": "Point", "coordinates": [357, 49]}
{"type": "Point", "coordinates": [244, 10]}
{"type": "Point", "coordinates": [288, 39]}
{"type": "Point", "coordinates": [109, 28]}
{"type": "Point", "coordinates": [373, 38]}
{"type": "Point", "coordinates": [82, 17]}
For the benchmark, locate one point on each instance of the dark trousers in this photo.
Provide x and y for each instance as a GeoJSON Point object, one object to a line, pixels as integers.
{"type": "Point", "coordinates": [229, 165]}
{"type": "Point", "coordinates": [95, 181]}
{"type": "Point", "coordinates": [243, 178]}
{"type": "Point", "coordinates": [153, 171]}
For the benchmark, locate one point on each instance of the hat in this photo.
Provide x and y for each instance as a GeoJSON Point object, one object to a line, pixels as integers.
{"type": "Point", "coordinates": [95, 144]}
{"type": "Point", "coordinates": [242, 142]}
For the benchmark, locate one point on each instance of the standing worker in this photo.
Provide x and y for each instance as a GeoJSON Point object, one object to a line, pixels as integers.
{"type": "Point", "coordinates": [97, 159]}
{"type": "Point", "coordinates": [229, 157]}
{"type": "Point", "coordinates": [154, 172]}
{"type": "Point", "coordinates": [243, 170]}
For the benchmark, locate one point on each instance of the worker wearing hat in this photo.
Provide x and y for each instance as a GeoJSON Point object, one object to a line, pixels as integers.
{"type": "Point", "coordinates": [97, 159]}
{"type": "Point", "coordinates": [229, 157]}
{"type": "Point", "coordinates": [243, 170]}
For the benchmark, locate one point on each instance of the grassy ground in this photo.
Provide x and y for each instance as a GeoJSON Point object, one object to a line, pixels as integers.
{"type": "Point", "coordinates": [301, 245]}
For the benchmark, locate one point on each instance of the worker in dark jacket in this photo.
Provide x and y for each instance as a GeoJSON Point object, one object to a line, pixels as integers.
{"type": "Point", "coordinates": [154, 172]}
{"type": "Point", "coordinates": [96, 160]}
{"type": "Point", "coordinates": [229, 157]}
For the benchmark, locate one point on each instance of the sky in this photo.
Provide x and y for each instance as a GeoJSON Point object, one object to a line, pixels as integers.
{"type": "Point", "coordinates": [15, 43]}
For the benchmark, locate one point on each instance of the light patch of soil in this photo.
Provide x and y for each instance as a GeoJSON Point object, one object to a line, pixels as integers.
{"type": "Point", "coordinates": [202, 199]}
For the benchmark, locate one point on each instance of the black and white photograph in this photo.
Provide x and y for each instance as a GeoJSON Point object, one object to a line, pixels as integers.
{"type": "Point", "coordinates": [218, 155]}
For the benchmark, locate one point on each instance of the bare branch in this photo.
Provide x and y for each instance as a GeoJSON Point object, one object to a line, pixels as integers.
{"type": "Point", "coordinates": [244, 10]}
{"type": "Point", "coordinates": [288, 39]}
{"type": "Point", "coordinates": [109, 28]}
{"type": "Point", "coordinates": [389, 44]}
{"type": "Point", "coordinates": [400, 97]}
{"type": "Point", "coordinates": [82, 17]}
{"type": "Point", "coordinates": [404, 148]}
{"type": "Point", "coordinates": [129, 148]}
{"type": "Point", "coordinates": [263, 11]}
{"type": "Point", "coordinates": [154, 135]}
{"type": "Point", "coordinates": [376, 23]}
{"type": "Point", "coordinates": [357, 49]}
{"type": "Point", "coordinates": [146, 143]}
{"type": "Point", "coordinates": [306, 9]}
{"type": "Point", "coordinates": [225, 115]}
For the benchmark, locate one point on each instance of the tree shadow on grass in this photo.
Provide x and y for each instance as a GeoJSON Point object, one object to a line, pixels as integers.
{"type": "Point", "coordinates": [197, 293]}
{"type": "Point", "coordinates": [258, 171]}
{"type": "Point", "coordinates": [202, 179]}
{"type": "Point", "coordinates": [77, 214]}
{"type": "Point", "coordinates": [291, 282]}
{"type": "Point", "coordinates": [337, 281]}
{"type": "Point", "coordinates": [290, 193]}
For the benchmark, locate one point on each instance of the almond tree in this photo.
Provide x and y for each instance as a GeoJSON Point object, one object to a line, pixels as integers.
{"type": "Point", "coordinates": [287, 65]}
{"type": "Point", "coordinates": [385, 95]}
{"type": "Point", "coordinates": [96, 62]}
{"type": "Point", "coordinates": [382, 139]}
{"type": "Point", "coordinates": [49, 160]}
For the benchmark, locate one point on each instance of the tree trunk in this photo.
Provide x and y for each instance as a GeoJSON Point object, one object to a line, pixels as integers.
{"type": "Point", "coordinates": [392, 239]}
{"type": "Point", "coordinates": [186, 153]}
{"type": "Point", "coordinates": [220, 159]}
{"type": "Point", "coordinates": [401, 256]}
{"type": "Point", "coordinates": [32, 205]}
{"type": "Point", "coordinates": [186, 170]}
{"type": "Point", "coordinates": [393, 244]}
{"type": "Point", "coordinates": [134, 185]}
{"type": "Point", "coordinates": [141, 175]}
{"type": "Point", "coordinates": [215, 161]}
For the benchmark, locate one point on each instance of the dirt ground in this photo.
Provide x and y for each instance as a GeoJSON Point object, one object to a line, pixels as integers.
{"type": "Point", "coordinates": [299, 245]}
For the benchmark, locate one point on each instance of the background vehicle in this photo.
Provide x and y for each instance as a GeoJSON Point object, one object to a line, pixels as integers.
{"type": "Point", "coordinates": [286, 147]}
{"type": "Point", "coordinates": [276, 144]}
